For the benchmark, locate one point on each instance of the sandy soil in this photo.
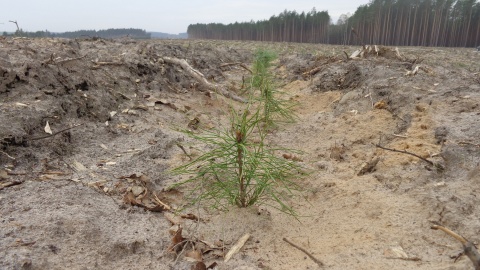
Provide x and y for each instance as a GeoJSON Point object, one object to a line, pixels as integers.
{"type": "Point", "coordinates": [66, 198]}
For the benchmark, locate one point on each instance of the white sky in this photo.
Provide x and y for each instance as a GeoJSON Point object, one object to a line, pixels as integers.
{"type": "Point", "coordinates": [159, 16]}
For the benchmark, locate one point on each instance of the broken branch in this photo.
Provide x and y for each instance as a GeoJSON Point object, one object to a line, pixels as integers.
{"type": "Point", "coordinates": [16, 23]}
{"type": "Point", "coordinates": [236, 248]}
{"type": "Point", "coordinates": [304, 251]}
{"type": "Point", "coordinates": [10, 184]}
{"type": "Point", "coordinates": [201, 79]}
{"type": "Point", "coordinates": [468, 247]}
{"type": "Point", "coordinates": [70, 59]}
{"type": "Point", "coordinates": [412, 154]}
{"type": "Point", "coordinates": [237, 64]}
{"type": "Point", "coordinates": [184, 151]}
{"type": "Point", "coordinates": [107, 63]}
{"type": "Point", "coordinates": [10, 157]}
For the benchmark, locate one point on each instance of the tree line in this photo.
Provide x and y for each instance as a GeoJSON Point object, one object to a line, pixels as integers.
{"type": "Point", "coordinates": [108, 33]}
{"type": "Point", "coordinates": [288, 26]}
{"type": "Point", "coordinates": [452, 23]}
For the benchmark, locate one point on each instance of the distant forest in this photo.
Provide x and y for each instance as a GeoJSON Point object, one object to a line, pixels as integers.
{"type": "Point", "coordinates": [109, 33]}
{"type": "Point", "coordinates": [444, 23]}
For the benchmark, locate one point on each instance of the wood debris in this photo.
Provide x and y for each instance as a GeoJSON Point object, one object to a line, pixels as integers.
{"type": "Point", "coordinates": [469, 248]}
{"type": "Point", "coordinates": [202, 80]}
{"type": "Point", "coordinates": [236, 248]}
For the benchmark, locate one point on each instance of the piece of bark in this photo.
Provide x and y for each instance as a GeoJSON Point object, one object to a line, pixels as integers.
{"type": "Point", "coordinates": [236, 248]}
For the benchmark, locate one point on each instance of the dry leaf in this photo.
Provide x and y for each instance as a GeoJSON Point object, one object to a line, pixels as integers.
{"type": "Point", "coordinates": [137, 190]}
{"type": "Point", "coordinates": [3, 174]}
{"type": "Point", "coordinates": [200, 266]}
{"type": "Point", "coordinates": [173, 230]}
{"type": "Point", "coordinates": [195, 254]}
{"type": "Point", "coordinates": [177, 241]}
{"type": "Point", "coordinates": [191, 217]}
{"type": "Point", "coordinates": [78, 166]}
{"type": "Point", "coordinates": [213, 265]}
{"type": "Point", "coordinates": [129, 198]}
{"type": "Point", "coordinates": [175, 220]}
{"type": "Point", "coordinates": [47, 128]}
{"type": "Point", "coordinates": [156, 208]}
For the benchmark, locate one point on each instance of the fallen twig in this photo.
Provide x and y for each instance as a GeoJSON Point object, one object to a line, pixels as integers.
{"type": "Point", "coordinates": [184, 151]}
{"type": "Point", "coordinates": [304, 251]}
{"type": "Point", "coordinates": [164, 205]}
{"type": "Point", "coordinates": [10, 184]}
{"type": "Point", "coordinates": [107, 63]}
{"type": "Point", "coordinates": [70, 59]}
{"type": "Point", "coordinates": [53, 134]}
{"type": "Point", "coordinates": [414, 259]}
{"type": "Point", "coordinates": [438, 166]}
{"type": "Point", "coordinates": [469, 143]}
{"type": "Point", "coordinates": [201, 79]}
{"type": "Point", "coordinates": [399, 136]}
{"type": "Point", "coordinates": [468, 247]}
{"type": "Point", "coordinates": [10, 157]}
{"type": "Point", "coordinates": [237, 64]}
{"type": "Point", "coordinates": [236, 248]}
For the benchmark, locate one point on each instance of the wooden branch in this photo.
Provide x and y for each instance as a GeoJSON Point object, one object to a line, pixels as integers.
{"type": "Point", "coordinates": [412, 154]}
{"type": "Point", "coordinates": [236, 248]}
{"type": "Point", "coordinates": [10, 157]}
{"type": "Point", "coordinates": [184, 151]}
{"type": "Point", "coordinates": [237, 64]}
{"type": "Point", "coordinates": [10, 184]}
{"type": "Point", "coordinates": [16, 23]}
{"type": "Point", "coordinates": [359, 37]}
{"type": "Point", "coordinates": [53, 134]}
{"type": "Point", "coordinates": [469, 143]}
{"type": "Point", "coordinates": [468, 247]}
{"type": "Point", "coordinates": [201, 79]}
{"type": "Point", "coordinates": [70, 59]}
{"type": "Point", "coordinates": [399, 136]}
{"type": "Point", "coordinates": [306, 252]}
{"type": "Point", "coordinates": [108, 63]}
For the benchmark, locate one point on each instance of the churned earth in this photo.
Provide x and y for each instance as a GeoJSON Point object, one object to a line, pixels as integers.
{"type": "Point", "coordinates": [89, 133]}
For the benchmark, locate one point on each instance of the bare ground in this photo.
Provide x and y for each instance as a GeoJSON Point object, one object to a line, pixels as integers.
{"type": "Point", "coordinates": [64, 199]}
